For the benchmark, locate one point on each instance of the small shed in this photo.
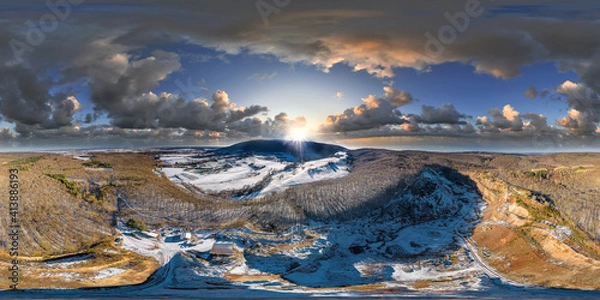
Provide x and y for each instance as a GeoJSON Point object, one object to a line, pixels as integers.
{"type": "Point", "coordinates": [186, 236]}
{"type": "Point", "coordinates": [222, 249]}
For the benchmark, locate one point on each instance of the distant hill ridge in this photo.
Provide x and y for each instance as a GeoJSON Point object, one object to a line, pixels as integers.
{"type": "Point", "coordinates": [304, 150]}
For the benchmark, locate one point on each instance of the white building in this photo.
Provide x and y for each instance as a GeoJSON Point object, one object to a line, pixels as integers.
{"type": "Point", "coordinates": [186, 236]}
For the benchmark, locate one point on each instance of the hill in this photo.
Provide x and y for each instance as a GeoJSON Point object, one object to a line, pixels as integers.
{"type": "Point", "coordinates": [300, 150]}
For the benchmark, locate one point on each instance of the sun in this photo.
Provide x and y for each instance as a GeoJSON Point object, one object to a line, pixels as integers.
{"type": "Point", "coordinates": [297, 134]}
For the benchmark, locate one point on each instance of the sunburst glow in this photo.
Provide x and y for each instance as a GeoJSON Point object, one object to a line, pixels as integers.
{"type": "Point", "coordinates": [297, 134]}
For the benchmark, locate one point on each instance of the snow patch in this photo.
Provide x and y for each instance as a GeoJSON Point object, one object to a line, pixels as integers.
{"type": "Point", "coordinates": [107, 273]}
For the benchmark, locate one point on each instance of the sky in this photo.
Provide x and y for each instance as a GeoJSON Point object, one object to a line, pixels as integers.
{"type": "Point", "coordinates": [459, 75]}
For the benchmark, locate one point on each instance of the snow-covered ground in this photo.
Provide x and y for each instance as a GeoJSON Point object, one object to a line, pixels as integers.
{"type": "Point", "coordinates": [69, 261]}
{"type": "Point", "coordinates": [317, 170]}
{"type": "Point", "coordinates": [383, 246]}
{"type": "Point", "coordinates": [162, 248]}
{"type": "Point", "coordinates": [228, 173]}
{"type": "Point", "coordinates": [106, 273]}
{"type": "Point", "coordinates": [421, 235]}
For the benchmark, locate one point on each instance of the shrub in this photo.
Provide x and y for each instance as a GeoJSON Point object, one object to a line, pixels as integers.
{"type": "Point", "coordinates": [539, 174]}
{"type": "Point", "coordinates": [73, 187]}
{"type": "Point", "coordinates": [97, 164]}
{"type": "Point", "coordinates": [133, 223]}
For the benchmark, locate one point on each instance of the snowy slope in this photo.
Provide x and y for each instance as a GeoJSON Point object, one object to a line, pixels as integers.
{"type": "Point", "coordinates": [259, 173]}
{"type": "Point", "coordinates": [317, 170]}
{"type": "Point", "coordinates": [226, 174]}
{"type": "Point", "coordinates": [388, 245]}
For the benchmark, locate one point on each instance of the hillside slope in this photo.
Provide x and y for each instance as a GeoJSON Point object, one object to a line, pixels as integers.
{"type": "Point", "coordinates": [390, 216]}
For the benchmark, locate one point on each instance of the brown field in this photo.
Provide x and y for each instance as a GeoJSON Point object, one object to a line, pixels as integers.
{"type": "Point", "coordinates": [524, 250]}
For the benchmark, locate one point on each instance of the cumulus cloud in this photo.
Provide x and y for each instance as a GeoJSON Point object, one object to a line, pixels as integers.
{"type": "Point", "coordinates": [578, 123]}
{"type": "Point", "coordinates": [172, 111]}
{"type": "Point", "coordinates": [445, 114]}
{"type": "Point", "coordinates": [509, 122]}
{"type": "Point", "coordinates": [374, 113]}
{"type": "Point", "coordinates": [537, 122]}
{"type": "Point", "coordinates": [121, 87]}
{"type": "Point", "coordinates": [584, 115]}
{"type": "Point", "coordinates": [411, 124]}
{"type": "Point", "coordinates": [396, 97]}
{"type": "Point", "coordinates": [64, 110]}
{"type": "Point", "coordinates": [507, 119]}
{"type": "Point", "coordinates": [26, 100]}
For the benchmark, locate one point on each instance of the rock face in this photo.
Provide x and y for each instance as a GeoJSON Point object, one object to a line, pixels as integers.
{"type": "Point", "coordinates": [435, 194]}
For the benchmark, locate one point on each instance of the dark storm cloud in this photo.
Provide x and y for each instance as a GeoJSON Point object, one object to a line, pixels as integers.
{"type": "Point", "coordinates": [6, 134]}
{"type": "Point", "coordinates": [25, 100]}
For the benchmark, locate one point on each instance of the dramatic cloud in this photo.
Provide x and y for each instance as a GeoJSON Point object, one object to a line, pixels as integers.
{"type": "Point", "coordinates": [578, 123]}
{"type": "Point", "coordinates": [26, 100]}
{"type": "Point", "coordinates": [114, 56]}
{"type": "Point", "coordinates": [6, 134]}
{"type": "Point", "coordinates": [278, 127]}
{"type": "Point", "coordinates": [64, 110]}
{"type": "Point", "coordinates": [381, 36]}
{"type": "Point", "coordinates": [376, 37]}
{"type": "Point", "coordinates": [120, 85]}
{"type": "Point", "coordinates": [584, 115]}
{"type": "Point", "coordinates": [376, 112]}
